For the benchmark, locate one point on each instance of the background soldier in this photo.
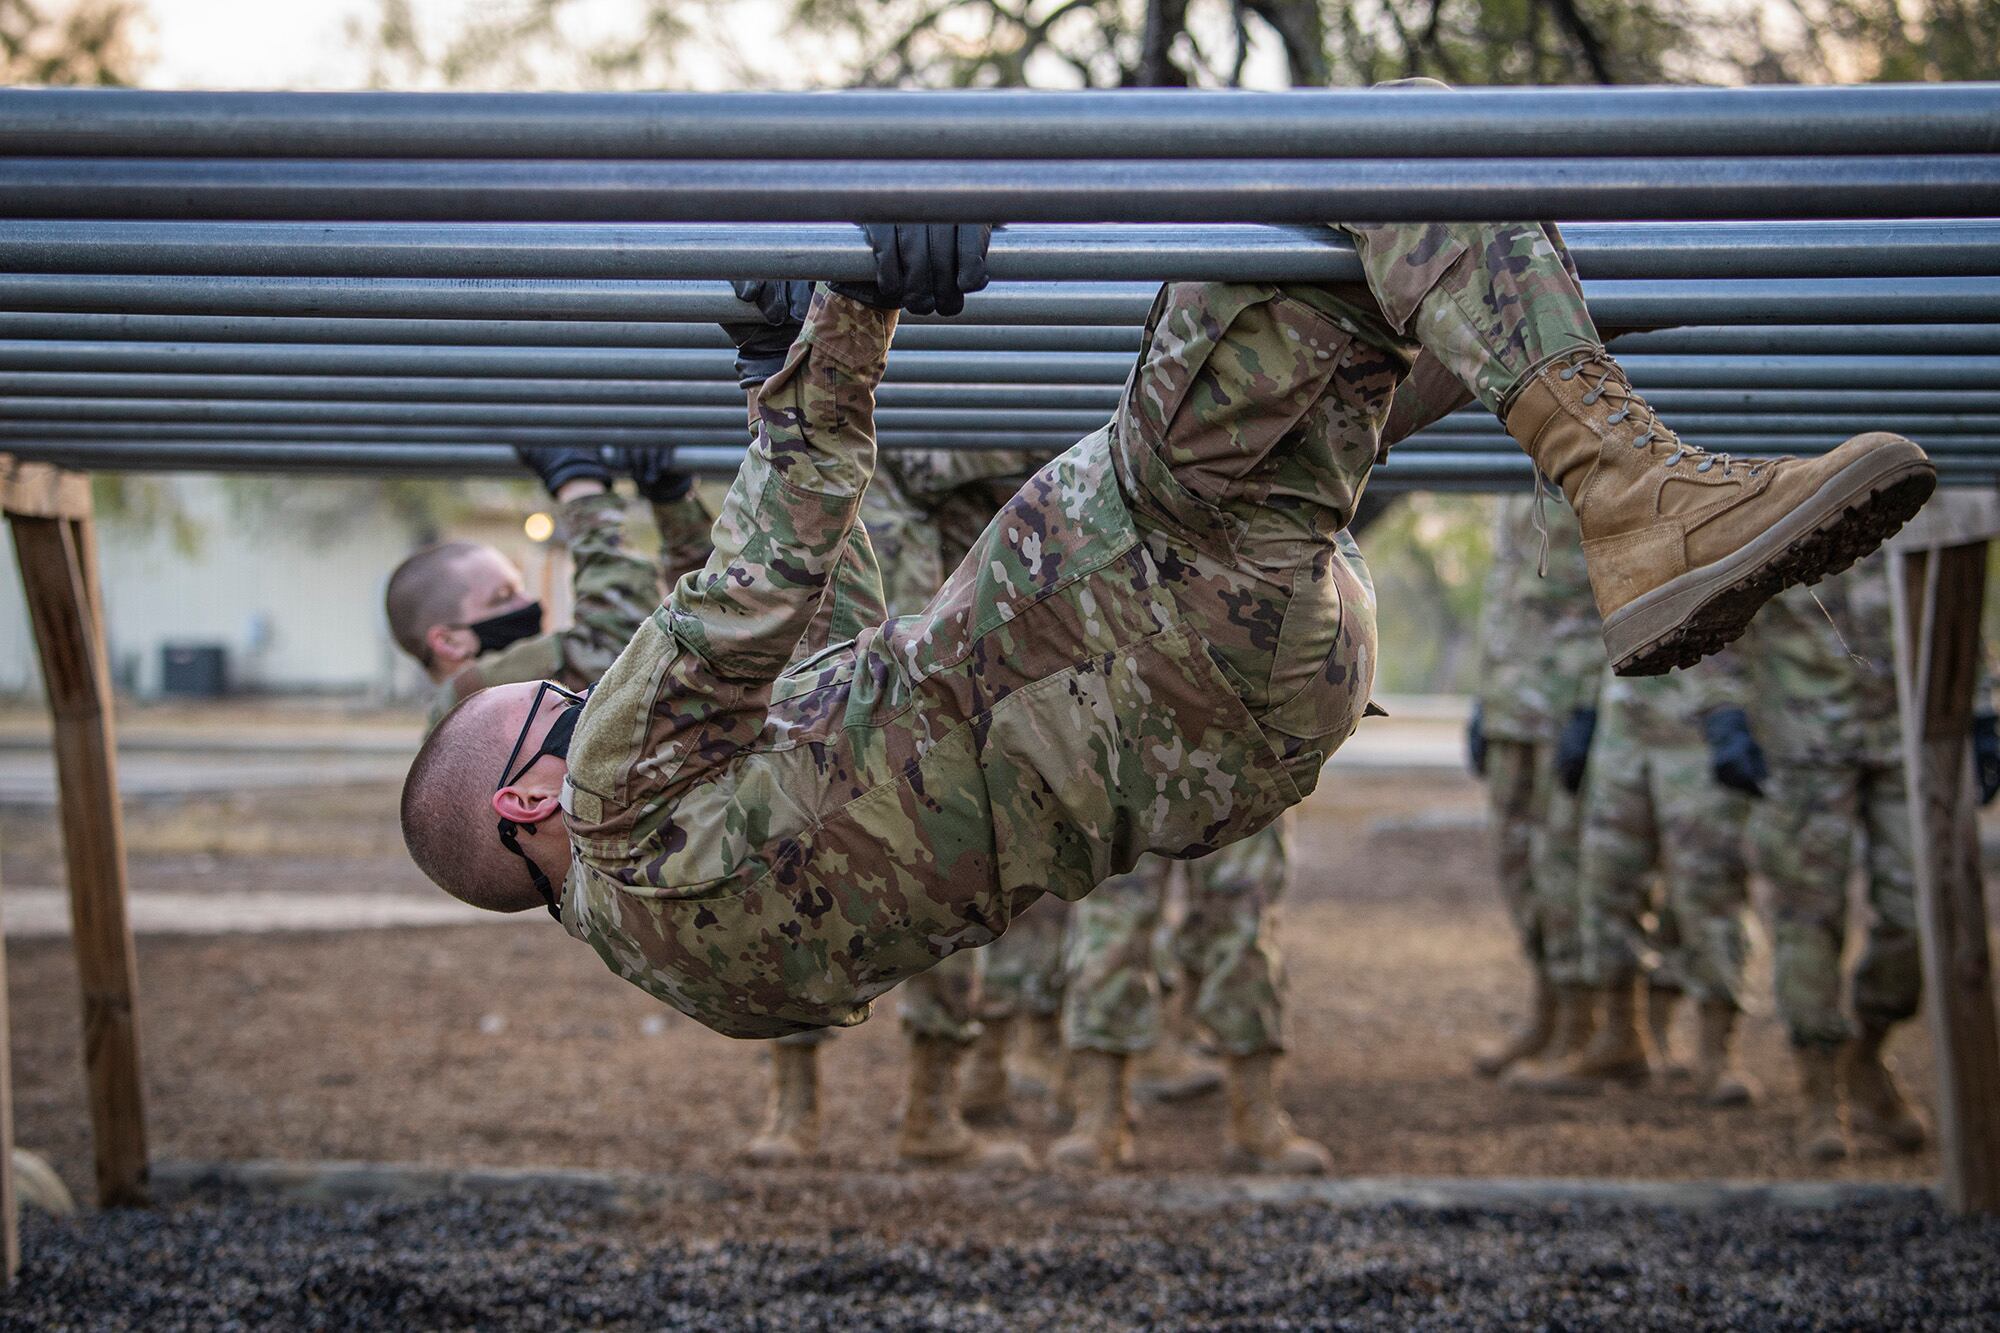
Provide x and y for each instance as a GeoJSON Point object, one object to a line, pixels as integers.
{"type": "Point", "coordinates": [1112, 1007]}
{"type": "Point", "coordinates": [1673, 767]}
{"type": "Point", "coordinates": [1541, 657]}
{"type": "Point", "coordinates": [1824, 668]}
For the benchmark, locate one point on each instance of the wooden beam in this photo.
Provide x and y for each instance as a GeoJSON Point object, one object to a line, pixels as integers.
{"type": "Point", "coordinates": [41, 490]}
{"type": "Point", "coordinates": [10, 1207]}
{"type": "Point", "coordinates": [1938, 593]}
{"type": "Point", "coordinates": [58, 563]}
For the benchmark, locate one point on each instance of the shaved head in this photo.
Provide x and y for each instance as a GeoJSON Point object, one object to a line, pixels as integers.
{"type": "Point", "coordinates": [453, 584]}
{"type": "Point", "coordinates": [449, 823]}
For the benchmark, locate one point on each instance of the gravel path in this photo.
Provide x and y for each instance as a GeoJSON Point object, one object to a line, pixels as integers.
{"type": "Point", "coordinates": [554, 1259]}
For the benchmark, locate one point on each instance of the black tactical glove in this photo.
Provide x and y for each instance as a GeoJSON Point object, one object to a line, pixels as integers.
{"type": "Point", "coordinates": [1475, 740]}
{"type": "Point", "coordinates": [761, 346]}
{"type": "Point", "coordinates": [1734, 756]}
{"type": "Point", "coordinates": [653, 472]}
{"type": "Point", "coordinates": [558, 466]}
{"type": "Point", "coordinates": [1986, 755]}
{"type": "Point", "coordinates": [1573, 748]}
{"type": "Point", "coordinates": [926, 268]}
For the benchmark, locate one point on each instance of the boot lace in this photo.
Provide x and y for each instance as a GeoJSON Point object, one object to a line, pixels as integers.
{"type": "Point", "coordinates": [1611, 387]}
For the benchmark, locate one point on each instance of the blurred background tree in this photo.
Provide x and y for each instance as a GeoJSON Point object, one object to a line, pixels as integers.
{"type": "Point", "coordinates": [88, 44]}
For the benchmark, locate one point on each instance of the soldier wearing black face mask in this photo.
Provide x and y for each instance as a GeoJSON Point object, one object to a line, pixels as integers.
{"type": "Point", "coordinates": [460, 609]}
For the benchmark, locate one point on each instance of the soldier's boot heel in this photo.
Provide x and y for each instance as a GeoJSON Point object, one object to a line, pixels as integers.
{"type": "Point", "coordinates": [984, 1099]}
{"type": "Point", "coordinates": [1661, 1001]}
{"type": "Point", "coordinates": [1101, 1139]}
{"type": "Point", "coordinates": [1683, 545]}
{"type": "Point", "coordinates": [1258, 1135]}
{"type": "Point", "coordinates": [1875, 1105]}
{"type": "Point", "coordinates": [790, 1132]}
{"type": "Point", "coordinates": [933, 1132]}
{"type": "Point", "coordinates": [1822, 1130]}
{"type": "Point", "coordinates": [1174, 1070]}
{"type": "Point", "coordinates": [1614, 1055]}
{"type": "Point", "coordinates": [1529, 1039]}
{"type": "Point", "coordinates": [1571, 1028]}
{"type": "Point", "coordinates": [1718, 1079]}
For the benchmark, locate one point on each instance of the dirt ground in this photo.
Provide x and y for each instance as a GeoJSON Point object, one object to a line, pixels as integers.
{"type": "Point", "coordinates": [509, 1044]}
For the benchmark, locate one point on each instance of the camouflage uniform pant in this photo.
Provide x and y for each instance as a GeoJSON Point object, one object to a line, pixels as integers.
{"type": "Point", "coordinates": [1537, 837]}
{"type": "Point", "coordinates": [1024, 967]}
{"type": "Point", "coordinates": [1660, 806]}
{"type": "Point", "coordinates": [1225, 948]}
{"type": "Point", "coordinates": [1804, 831]}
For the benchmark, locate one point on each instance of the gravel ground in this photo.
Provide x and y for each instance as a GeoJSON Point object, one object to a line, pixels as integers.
{"type": "Point", "coordinates": [546, 1260]}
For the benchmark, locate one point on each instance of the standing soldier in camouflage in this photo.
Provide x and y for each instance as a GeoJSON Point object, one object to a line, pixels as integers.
{"type": "Point", "coordinates": [460, 608]}
{"type": "Point", "coordinates": [1541, 658]}
{"type": "Point", "coordinates": [1673, 768]}
{"type": "Point", "coordinates": [1154, 647]}
{"type": "Point", "coordinates": [1228, 950]}
{"type": "Point", "coordinates": [1825, 684]}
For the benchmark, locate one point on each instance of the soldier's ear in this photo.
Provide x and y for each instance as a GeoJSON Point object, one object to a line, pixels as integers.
{"type": "Point", "coordinates": [451, 646]}
{"type": "Point", "coordinates": [525, 807]}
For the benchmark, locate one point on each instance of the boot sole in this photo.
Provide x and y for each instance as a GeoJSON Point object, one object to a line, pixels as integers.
{"type": "Point", "coordinates": [1852, 513]}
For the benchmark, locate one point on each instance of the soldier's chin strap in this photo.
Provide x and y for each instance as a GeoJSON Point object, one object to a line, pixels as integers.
{"type": "Point", "coordinates": [510, 839]}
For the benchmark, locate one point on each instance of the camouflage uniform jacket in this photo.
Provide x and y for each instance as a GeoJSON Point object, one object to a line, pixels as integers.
{"type": "Point", "coordinates": [1541, 642]}
{"type": "Point", "coordinates": [767, 845]}
{"type": "Point", "coordinates": [1825, 680]}
{"type": "Point", "coordinates": [1667, 710]}
{"type": "Point", "coordinates": [614, 591]}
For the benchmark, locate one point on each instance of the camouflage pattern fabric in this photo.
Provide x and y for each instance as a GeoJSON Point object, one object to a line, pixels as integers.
{"type": "Point", "coordinates": [1652, 803]}
{"type": "Point", "coordinates": [614, 591]}
{"type": "Point", "coordinates": [1537, 835]}
{"type": "Point", "coordinates": [1153, 647]}
{"type": "Point", "coordinates": [1024, 967]}
{"type": "Point", "coordinates": [1825, 708]}
{"type": "Point", "coordinates": [1541, 644]}
{"type": "Point", "coordinates": [683, 526]}
{"type": "Point", "coordinates": [1225, 947]}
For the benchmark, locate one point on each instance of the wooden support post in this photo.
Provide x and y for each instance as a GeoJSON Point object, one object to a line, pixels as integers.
{"type": "Point", "coordinates": [10, 1207]}
{"type": "Point", "coordinates": [1938, 586]}
{"type": "Point", "coordinates": [49, 514]}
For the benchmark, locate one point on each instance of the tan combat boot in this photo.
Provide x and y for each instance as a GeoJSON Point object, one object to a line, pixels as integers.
{"type": "Point", "coordinates": [1575, 1019]}
{"type": "Point", "coordinates": [1527, 1040]}
{"type": "Point", "coordinates": [1822, 1136]}
{"type": "Point", "coordinates": [984, 1100]}
{"type": "Point", "coordinates": [1101, 1138]}
{"type": "Point", "coordinates": [791, 1124]}
{"type": "Point", "coordinates": [1615, 1053]}
{"type": "Point", "coordinates": [1258, 1135]}
{"type": "Point", "coordinates": [1660, 1004]}
{"type": "Point", "coordinates": [1174, 1070]}
{"type": "Point", "coordinates": [1682, 545]}
{"type": "Point", "coordinates": [1041, 1062]}
{"type": "Point", "coordinates": [1718, 1080]}
{"type": "Point", "coordinates": [1875, 1105]}
{"type": "Point", "coordinates": [934, 1133]}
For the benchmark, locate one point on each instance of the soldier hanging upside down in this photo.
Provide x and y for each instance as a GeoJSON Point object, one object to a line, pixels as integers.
{"type": "Point", "coordinates": [1154, 646]}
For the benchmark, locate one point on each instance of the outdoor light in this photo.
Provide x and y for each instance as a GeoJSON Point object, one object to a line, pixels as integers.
{"type": "Point", "coordinates": [539, 527]}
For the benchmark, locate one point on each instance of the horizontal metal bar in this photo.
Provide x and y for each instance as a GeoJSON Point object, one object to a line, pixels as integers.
{"type": "Point", "coordinates": [280, 380]}
{"type": "Point", "coordinates": [1030, 252]}
{"type": "Point", "coordinates": [1783, 340]}
{"type": "Point", "coordinates": [1613, 303]}
{"type": "Point", "coordinates": [1402, 122]}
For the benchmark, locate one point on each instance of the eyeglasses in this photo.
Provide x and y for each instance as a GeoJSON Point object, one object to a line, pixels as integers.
{"type": "Point", "coordinates": [555, 742]}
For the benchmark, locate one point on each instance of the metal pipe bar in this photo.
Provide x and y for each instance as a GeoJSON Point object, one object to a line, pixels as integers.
{"type": "Point", "coordinates": [673, 421]}
{"type": "Point", "coordinates": [282, 374]}
{"type": "Point", "coordinates": [1004, 401]}
{"type": "Point", "coordinates": [1789, 340]}
{"type": "Point", "coordinates": [1398, 123]}
{"type": "Point", "coordinates": [1613, 303]}
{"type": "Point", "coordinates": [1098, 253]}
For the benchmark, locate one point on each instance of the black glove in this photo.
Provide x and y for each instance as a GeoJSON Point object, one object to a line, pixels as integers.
{"type": "Point", "coordinates": [926, 268]}
{"type": "Point", "coordinates": [1475, 740]}
{"type": "Point", "coordinates": [1986, 755]}
{"type": "Point", "coordinates": [1573, 748]}
{"type": "Point", "coordinates": [1735, 758]}
{"type": "Point", "coordinates": [653, 472]}
{"type": "Point", "coordinates": [761, 346]}
{"type": "Point", "coordinates": [559, 466]}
